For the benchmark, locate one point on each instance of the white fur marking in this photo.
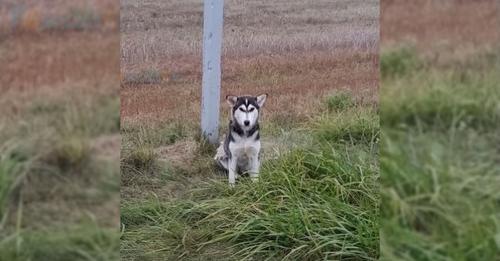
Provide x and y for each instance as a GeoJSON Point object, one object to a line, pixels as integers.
{"type": "Point", "coordinates": [245, 156]}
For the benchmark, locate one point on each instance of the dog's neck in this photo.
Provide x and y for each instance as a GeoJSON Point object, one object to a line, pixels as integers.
{"type": "Point", "coordinates": [236, 128]}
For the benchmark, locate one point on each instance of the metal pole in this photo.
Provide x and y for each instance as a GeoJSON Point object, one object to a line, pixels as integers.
{"type": "Point", "coordinates": [212, 41]}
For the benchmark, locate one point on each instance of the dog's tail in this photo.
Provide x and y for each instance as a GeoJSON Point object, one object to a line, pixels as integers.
{"type": "Point", "coordinates": [220, 156]}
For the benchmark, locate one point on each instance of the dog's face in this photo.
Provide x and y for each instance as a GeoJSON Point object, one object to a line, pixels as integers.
{"type": "Point", "coordinates": [245, 109]}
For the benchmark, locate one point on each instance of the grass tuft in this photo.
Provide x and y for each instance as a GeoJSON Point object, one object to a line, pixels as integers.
{"type": "Point", "coordinates": [339, 102]}
{"type": "Point", "coordinates": [147, 76]}
{"type": "Point", "coordinates": [352, 126]}
{"type": "Point", "coordinates": [12, 171]}
{"type": "Point", "coordinates": [71, 152]}
{"type": "Point", "coordinates": [142, 158]}
{"type": "Point", "coordinates": [399, 62]}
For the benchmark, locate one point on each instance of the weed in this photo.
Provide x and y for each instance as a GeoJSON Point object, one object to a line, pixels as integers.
{"type": "Point", "coordinates": [339, 102]}
{"type": "Point", "coordinates": [204, 146]}
{"type": "Point", "coordinates": [12, 172]}
{"type": "Point", "coordinates": [399, 62]}
{"type": "Point", "coordinates": [148, 76]}
{"type": "Point", "coordinates": [142, 158]}
{"type": "Point", "coordinates": [174, 133]}
{"type": "Point", "coordinates": [71, 152]}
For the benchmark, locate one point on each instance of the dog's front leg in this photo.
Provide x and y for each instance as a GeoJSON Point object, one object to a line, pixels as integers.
{"type": "Point", "coordinates": [254, 169]}
{"type": "Point", "coordinates": [232, 171]}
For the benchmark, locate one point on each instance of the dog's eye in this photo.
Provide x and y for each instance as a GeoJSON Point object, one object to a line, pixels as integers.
{"type": "Point", "coordinates": [241, 109]}
{"type": "Point", "coordinates": [251, 109]}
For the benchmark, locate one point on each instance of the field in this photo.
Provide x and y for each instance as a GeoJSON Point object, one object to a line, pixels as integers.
{"type": "Point", "coordinates": [318, 193]}
{"type": "Point", "coordinates": [412, 176]}
{"type": "Point", "coordinates": [59, 131]}
{"type": "Point", "coordinates": [439, 158]}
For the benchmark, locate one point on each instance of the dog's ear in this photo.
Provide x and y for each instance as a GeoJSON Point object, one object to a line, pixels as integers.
{"type": "Point", "coordinates": [231, 100]}
{"type": "Point", "coordinates": [261, 99]}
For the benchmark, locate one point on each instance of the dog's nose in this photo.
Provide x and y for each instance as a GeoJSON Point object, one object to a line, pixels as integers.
{"type": "Point", "coordinates": [246, 123]}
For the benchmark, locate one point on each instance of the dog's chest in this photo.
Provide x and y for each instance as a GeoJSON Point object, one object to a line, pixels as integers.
{"type": "Point", "coordinates": [244, 148]}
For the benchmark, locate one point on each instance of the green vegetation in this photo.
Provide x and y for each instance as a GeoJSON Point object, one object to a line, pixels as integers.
{"type": "Point", "coordinates": [439, 162]}
{"type": "Point", "coordinates": [399, 62]}
{"type": "Point", "coordinates": [340, 101]}
{"type": "Point", "coordinates": [54, 178]}
{"type": "Point", "coordinates": [352, 126]}
{"type": "Point", "coordinates": [147, 76]}
{"type": "Point", "coordinates": [12, 171]}
{"type": "Point", "coordinates": [315, 201]}
{"type": "Point", "coordinates": [82, 242]}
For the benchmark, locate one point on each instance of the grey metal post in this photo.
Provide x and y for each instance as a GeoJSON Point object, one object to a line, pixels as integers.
{"type": "Point", "coordinates": [212, 41]}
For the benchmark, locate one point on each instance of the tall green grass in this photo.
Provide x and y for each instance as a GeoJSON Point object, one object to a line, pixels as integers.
{"type": "Point", "coordinates": [80, 242]}
{"type": "Point", "coordinates": [12, 172]}
{"type": "Point", "coordinates": [316, 202]}
{"type": "Point", "coordinates": [51, 180]}
{"type": "Point", "coordinates": [440, 170]}
{"type": "Point", "coordinates": [399, 62]}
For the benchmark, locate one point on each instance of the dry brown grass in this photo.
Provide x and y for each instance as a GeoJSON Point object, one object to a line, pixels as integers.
{"type": "Point", "coordinates": [34, 61]}
{"type": "Point", "coordinates": [159, 29]}
{"type": "Point", "coordinates": [440, 26]}
{"type": "Point", "coordinates": [28, 16]}
{"type": "Point", "coordinates": [297, 86]}
{"type": "Point", "coordinates": [297, 51]}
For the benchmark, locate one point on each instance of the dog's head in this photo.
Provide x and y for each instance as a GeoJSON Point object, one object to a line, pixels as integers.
{"type": "Point", "coordinates": [245, 109]}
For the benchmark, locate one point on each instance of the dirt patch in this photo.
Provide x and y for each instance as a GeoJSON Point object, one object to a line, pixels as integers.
{"type": "Point", "coordinates": [176, 177]}
{"type": "Point", "coordinates": [179, 154]}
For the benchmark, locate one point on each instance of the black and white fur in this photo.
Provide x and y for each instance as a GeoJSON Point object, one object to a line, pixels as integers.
{"type": "Point", "coordinates": [239, 152]}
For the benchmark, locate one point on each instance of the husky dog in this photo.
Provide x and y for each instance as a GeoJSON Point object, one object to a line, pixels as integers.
{"type": "Point", "coordinates": [239, 152]}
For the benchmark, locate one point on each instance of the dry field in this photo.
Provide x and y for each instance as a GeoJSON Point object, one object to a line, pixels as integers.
{"type": "Point", "coordinates": [297, 51]}
{"type": "Point", "coordinates": [59, 130]}
{"type": "Point", "coordinates": [444, 32]}
{"type": "Point", "coordinates": [439, 25]}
